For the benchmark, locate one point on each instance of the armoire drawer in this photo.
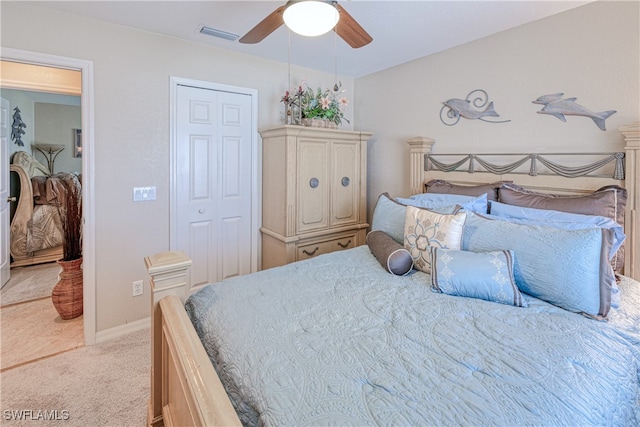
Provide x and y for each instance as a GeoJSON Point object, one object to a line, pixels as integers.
{"type": "Point", "coordinates": [309, 250]}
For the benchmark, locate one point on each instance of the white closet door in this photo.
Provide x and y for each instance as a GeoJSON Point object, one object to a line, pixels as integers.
{"type": "Point", "coordinates": [213, 183]}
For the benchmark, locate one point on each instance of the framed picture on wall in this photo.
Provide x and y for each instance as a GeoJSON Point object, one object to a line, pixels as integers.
{"type": "Point", "coordinates": [77, 142]}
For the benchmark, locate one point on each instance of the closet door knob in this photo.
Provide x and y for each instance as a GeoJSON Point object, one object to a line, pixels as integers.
{"type": "Point", "coordinates": [314, 182]}
{"type": "Point", "coordinates": [345, 181]}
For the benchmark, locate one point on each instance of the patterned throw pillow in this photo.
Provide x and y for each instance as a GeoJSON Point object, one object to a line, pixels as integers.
{"type": "Point", "coordinates": [424, 228]}
{"type": "Point", "coordinates": [389, 214]}
{"type": "Point", "coordinates": [484, 275]}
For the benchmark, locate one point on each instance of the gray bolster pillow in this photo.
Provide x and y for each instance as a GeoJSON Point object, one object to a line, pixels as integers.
{"type": "Point", "coordinates": [389, 253]}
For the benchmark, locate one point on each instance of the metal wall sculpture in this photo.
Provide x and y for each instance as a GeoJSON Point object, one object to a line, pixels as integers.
{"type": "Point", "coordinates": [555, 106]}
{"type": "Point", "coordinates": [475, 106]}
{"type": "Point", "coordinates": [17, 128]}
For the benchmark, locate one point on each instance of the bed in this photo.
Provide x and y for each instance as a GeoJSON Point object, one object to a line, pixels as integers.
{"type": "Point", "coordinates": [36, 230]}
{"type": "Point", "coordinates": [364, 346]}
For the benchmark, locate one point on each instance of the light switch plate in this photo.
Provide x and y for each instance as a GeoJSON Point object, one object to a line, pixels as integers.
{"type": "Point", "coordinates": [142, 194]}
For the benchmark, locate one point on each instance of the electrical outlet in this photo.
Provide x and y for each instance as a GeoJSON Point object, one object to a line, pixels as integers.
{"type": "Point", "coordinates": [137, 288]}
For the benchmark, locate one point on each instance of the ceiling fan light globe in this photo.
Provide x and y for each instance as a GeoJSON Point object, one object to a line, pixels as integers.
{"type": "Point", "coordinates": [311, 18]}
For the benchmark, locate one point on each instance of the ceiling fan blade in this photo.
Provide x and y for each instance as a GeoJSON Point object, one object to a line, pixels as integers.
{"type": "Point", "coordinates": [350, 31]}
{"type": "Point", "coordinates": [265, 27]}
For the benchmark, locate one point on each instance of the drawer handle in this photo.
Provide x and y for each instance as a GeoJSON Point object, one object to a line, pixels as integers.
{"type": "Point", "coordinates": [345, 181]}
{"type": "Point", "coordinates": [304, 251]}
{"type": "Point", "coordinates": [314, 182]}
{"type": "Point", "coordinates": [344, 246]}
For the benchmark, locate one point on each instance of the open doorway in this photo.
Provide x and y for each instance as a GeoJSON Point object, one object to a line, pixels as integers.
{"type": "Point", "coordinates": [83, 153]}
{"type": "Point", "coordinates": [41, 156]}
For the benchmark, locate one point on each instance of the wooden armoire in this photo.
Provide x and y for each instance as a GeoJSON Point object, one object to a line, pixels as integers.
{"type": "Point", "coordinates": [313, 192]}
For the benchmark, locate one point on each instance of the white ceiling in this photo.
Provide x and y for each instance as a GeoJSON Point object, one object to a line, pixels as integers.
{"type": "Point", "coordinates": [402, 30]}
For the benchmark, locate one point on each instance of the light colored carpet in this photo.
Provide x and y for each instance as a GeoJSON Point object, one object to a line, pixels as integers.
{"type": "Point", "coordinates": [106, 384]}
{"type": "Point", "coordinates": [29, 283]}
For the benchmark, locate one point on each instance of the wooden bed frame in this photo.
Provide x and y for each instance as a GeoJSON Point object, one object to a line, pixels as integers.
{"type": "Point", "coordinates": [24, 213]}
{"type": "Point", "coordinates": [185, 390]}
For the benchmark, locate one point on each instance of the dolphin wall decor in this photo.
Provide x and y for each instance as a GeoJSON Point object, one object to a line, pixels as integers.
{"type": "Point", "coordinates": [556, 106]}
{"type": "Point", "coordinates": [472, 107]}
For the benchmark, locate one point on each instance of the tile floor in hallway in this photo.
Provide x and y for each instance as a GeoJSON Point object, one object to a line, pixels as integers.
{"type": "Point", "coordinates": [31, 330]}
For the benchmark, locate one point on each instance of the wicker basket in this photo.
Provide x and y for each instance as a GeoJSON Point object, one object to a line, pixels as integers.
{"type": "Point", "coordinates": [319, 123]}
{"type": "Point", "coordinates": [67, 294]}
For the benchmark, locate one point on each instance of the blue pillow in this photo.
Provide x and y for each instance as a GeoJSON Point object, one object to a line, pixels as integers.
{"type": "Point", "coordinates": [484, 275]}
{"type": "Point", "coordinates": [558, 219]}
{"type": "Point", "coordinates": [568, 268]}
{"type": "Point", "coordinates": [389, 216]}
{"type": "Point", "coordinates": [436, 201]}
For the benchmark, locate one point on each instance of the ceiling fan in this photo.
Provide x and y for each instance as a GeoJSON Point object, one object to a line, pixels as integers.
{"type": "Point", "coordinates": [347, 27]}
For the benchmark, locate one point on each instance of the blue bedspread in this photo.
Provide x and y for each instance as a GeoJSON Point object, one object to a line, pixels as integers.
{"type": "Point", "coordinates": [338, 340]}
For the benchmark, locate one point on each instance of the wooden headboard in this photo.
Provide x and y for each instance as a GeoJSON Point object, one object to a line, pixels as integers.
{"type": "Point", "coordinates": [538, 172]}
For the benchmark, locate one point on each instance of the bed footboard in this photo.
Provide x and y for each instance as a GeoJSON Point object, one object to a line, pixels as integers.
{"type": "Point", "coordinates": [185, 389]}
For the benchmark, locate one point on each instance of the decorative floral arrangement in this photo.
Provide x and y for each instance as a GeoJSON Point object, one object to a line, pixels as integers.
{"type": "Point", "coordinates": [70, 210]}
{"type": "Point", "coordinates": [291, 101]}
{"type": "Point", "coordinates": [317, 104]}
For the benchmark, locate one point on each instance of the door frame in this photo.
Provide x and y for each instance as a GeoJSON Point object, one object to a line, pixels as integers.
{"type": "Point", "coordinates": [88, 172]}
{"type": "Point", "coordinates": [256, 160]}
{"type": "Point", "coordinates": [5, 222]}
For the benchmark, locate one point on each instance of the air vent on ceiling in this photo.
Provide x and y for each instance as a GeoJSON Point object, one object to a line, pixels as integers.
{"type": "Point", "coordinates": [214, 32]}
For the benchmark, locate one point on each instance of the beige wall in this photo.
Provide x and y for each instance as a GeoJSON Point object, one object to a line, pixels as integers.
{"type": "Point", "coordinates": [591, 53]}
{"type": "Point", "coordinates": [131, 79]}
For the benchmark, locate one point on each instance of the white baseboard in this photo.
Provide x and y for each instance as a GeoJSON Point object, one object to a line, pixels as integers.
{"type": "Point", "coordinates": [127, 328]}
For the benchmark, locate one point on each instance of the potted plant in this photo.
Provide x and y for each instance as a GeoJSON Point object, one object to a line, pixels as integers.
{"type": "Point", "coordinates": [317, 108]}
{"type": "Point", "coordinates": [67, 295]}
{"type": "Point", "coordinates": [324, 105]}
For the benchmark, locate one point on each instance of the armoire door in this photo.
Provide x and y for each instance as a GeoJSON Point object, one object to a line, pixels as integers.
{"type": "Point", "coordinates": [345, 176]}
{"type": "Point", "coordinates": [213, 182]}
{"type": "Point", "coordinates": [313, 185]}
